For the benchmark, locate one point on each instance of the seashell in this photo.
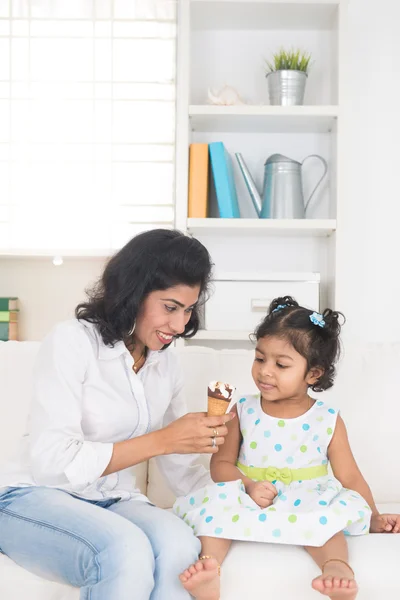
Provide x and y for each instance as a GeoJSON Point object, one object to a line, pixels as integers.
{"type": "Point", "coordinates": [227, 96]}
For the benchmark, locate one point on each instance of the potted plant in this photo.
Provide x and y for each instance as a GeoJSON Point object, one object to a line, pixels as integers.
{"type": "Point", "coordinates": [287, 75]}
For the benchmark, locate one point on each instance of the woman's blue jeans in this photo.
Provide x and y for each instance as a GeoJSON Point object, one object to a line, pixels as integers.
{"type": "Point", "coordinates": [112, 550]}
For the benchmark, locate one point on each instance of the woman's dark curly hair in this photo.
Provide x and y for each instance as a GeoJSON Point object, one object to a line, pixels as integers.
{"type": "Point", "coordinates": [320, 346]}
{"type": "Point", "coordinates": [153, 260]}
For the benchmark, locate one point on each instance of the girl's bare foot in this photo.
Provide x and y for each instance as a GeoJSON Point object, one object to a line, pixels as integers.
{"type": "Point", "coordinates": [336, 582]}
{"type": "Point", "coordinates": [202, 579]}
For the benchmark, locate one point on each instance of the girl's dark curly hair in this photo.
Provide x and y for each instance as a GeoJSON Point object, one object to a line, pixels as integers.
{"type": "Point", "coordinates": [320, 346]}
{"type": "Point", "coordinates": [153, 260]}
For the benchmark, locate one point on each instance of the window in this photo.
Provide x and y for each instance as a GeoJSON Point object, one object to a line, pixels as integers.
{"type": "Point", "coordinates": [87, 121]}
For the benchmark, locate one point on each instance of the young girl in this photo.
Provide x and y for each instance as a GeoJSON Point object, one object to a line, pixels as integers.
{"type": "Point", "coordinates": [274, 484]}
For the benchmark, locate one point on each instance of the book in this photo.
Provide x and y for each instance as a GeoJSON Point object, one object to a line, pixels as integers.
{"type": "Point", "coordinates": [198, 181]}
{"type": "Point", "coordinates": [8, 331]}
{"type": "Point", "coordinates": [222, 170]}
{"type": "Point", "coordinates": [8, 303]}
{"type": "Point", "coordinates": [8, 316]}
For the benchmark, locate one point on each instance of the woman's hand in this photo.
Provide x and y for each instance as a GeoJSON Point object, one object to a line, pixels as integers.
{"type": "Point", "coordinates": [194, 433]}
{"type": "Point", "coordinates": [262, 492]}
{"type": "Point", "coordinates": [385, 524]}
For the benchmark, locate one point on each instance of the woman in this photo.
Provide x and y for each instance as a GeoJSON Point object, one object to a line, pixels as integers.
{"type": "Point", "coordinates": [107, 395]}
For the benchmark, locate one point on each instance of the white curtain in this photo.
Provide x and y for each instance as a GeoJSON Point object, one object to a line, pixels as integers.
{"type": "Point", "coordinates": [87, 121]}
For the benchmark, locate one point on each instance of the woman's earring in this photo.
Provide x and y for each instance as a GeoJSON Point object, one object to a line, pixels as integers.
{"type": "Point", "coordinates": [132, 330]}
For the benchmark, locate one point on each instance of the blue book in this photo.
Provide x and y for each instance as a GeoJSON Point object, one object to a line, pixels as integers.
{"type": "Point", "coordinates": [222, 169]}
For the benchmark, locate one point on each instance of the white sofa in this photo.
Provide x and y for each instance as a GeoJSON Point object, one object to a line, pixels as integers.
{"type": "Point", "coordinates": [367, 390]}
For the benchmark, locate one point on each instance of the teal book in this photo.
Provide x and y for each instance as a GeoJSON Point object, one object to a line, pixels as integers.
{"type": "Point", "coordinates": [4, 327]}
{"type": "Point", "coordinates": [8, 331]}
{"type": "Point", "coordinates": [222, 170]}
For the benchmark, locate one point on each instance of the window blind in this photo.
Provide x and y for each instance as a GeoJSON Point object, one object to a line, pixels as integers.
{"type": "Point", "coordinates": [87, 121]}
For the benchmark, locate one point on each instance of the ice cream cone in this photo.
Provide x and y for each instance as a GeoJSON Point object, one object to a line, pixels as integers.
{"type": "Point", "coordinates": [219, 397]}
{"type": "Point", "coordinates": [215, 407]}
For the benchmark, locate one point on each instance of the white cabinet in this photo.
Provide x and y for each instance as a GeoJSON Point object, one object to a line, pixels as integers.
{"type": "Point", "coordinates": [246, 301]}
{"type": "Point", "coordinates": [225, 42]}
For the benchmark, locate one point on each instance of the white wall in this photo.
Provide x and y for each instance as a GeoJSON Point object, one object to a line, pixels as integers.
{"type": "Point", "coordinates": [368, 274]}
{"type": "Point", "coordinates": [47, 293]}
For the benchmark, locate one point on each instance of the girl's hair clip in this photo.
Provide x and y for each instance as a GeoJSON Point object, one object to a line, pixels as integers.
{"type": "Point", "coordinates": [317, 319]}
{"type": "Point", "coordinates": [279, 307]}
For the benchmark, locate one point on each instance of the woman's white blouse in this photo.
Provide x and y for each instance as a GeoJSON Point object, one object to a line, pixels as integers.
{"type": "Point", "coordinates": [85, 398]}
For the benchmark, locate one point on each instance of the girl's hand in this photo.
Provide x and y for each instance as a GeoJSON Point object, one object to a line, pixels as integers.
{"type": "Point", "coordinates": [385, 524]}
{"type": "Point", "coordinates": [262, 492]}
{"type": "Point", "coordinates": [193, 433]}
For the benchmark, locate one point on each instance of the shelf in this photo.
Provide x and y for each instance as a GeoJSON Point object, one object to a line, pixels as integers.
{"type": "Point", "coordinates": [261, 14]}
{"type": "Point", "coordinates": [266, 276]}
{"type": "Point", "coordinates": [202, 334]}
{"type": "Point", "coordinates": [292, 227]}
{"type": "Point", "coordinates": [258, 119]}
{"type": "Point", "coordinates": [51, 253]}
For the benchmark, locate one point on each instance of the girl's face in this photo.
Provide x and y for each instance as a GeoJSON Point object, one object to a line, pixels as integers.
{"type": "Point", "coordinates": [279, 372]}
{"type": "Point", "coordinates": [164, 314]}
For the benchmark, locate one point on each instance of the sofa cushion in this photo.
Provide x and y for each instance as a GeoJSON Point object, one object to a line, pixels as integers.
{"type": "Point", "coordinates": [285, 572]}
{"type": "Point", "coordinates": [272, 571]}
{"type": "Point", "coordinates": [367, 392]}
{"type": "Point", "coordinates": [18, 584]}
{"type": "Point", "coordinates": [16, 366]}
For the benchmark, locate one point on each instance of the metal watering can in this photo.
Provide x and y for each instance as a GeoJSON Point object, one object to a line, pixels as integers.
{"type": "Point", "coordinates": [283, 196]}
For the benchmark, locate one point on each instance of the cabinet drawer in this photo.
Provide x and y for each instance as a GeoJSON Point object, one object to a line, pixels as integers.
{"type": "Point", "coordinates": [241, 305]}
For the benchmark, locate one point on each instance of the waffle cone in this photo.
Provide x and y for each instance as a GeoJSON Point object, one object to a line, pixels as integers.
{"type": "Point", "coordinates": [216, 407]}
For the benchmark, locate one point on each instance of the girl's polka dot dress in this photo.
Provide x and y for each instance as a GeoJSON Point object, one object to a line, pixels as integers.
{"type": "Point", "coordinates": [307, 511]}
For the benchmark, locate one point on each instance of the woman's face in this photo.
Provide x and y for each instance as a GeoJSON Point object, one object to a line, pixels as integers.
{"type": "Point", "coordinates": [164, 314]}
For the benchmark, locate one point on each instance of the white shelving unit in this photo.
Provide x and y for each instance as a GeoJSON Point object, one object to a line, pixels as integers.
{"type": "Point", "coordinates": [268, 119]}
{"type": "Point", "coordinates": [307, 227]}
{"type": "Point", "coordinates": [225, 42]}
